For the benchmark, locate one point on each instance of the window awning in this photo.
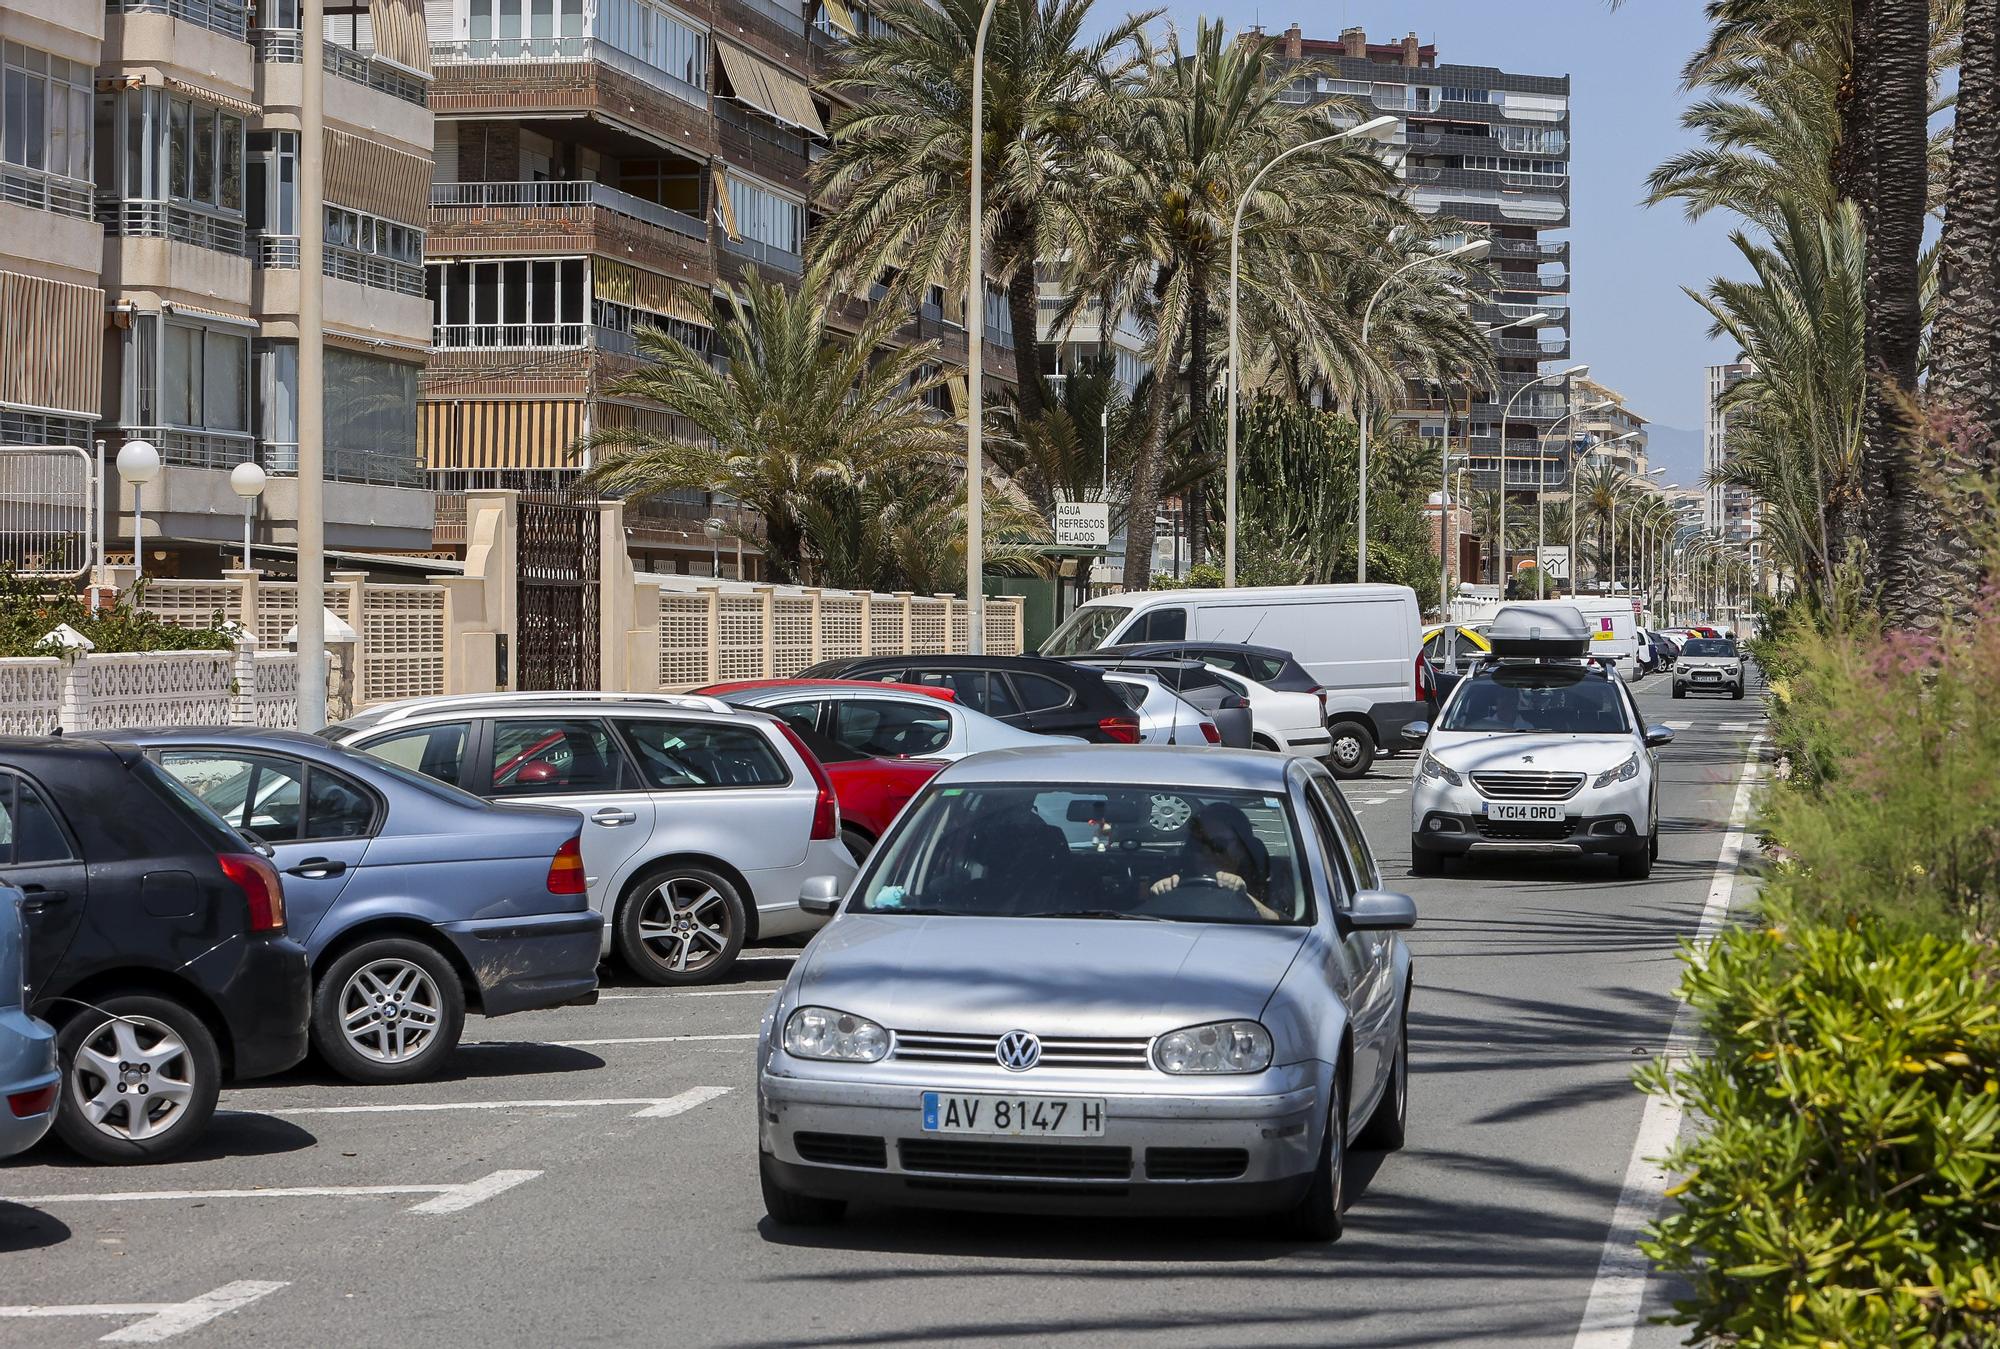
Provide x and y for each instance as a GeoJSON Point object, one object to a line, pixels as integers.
{"type": "Point", "coordinates": [365, 175]}
{"type": "Point", "coordinates": [841, 17]}
{"type": "Point", "coordinates": [770, 90]}
{"type": "Point", "coordinates": [242, 107]}
{"type": "Point", "coordinates": [623, 284]}
{"type": "Point", "coordinates": [725, 209]}
{"type": "Point", "coordinates": [960, 396]}
{"type": "Point", "coordinates": [400, 34]}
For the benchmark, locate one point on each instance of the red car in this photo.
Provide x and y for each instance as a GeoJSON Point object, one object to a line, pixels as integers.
{"type": "Point", "coordinates": [870, 790]}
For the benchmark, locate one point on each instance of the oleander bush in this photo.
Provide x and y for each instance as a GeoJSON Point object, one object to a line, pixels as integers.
{"type": "Point", "coordinates": [29, 611]}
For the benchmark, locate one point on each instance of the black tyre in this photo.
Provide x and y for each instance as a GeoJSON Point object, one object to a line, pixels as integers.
{"type": "Point", "coordinates": [1679, 692]}
{"type": "Point", "coordinates": [1422, 861]}
{"type": "Point", "coordinates": [1316, 1217]}
{"type": "Point", "coordinates": [859, 845]}
{"type": "Point", "coordinates": [1636, 866]}
{"type": "Point", "coordinates": [1653, 843]}
{"type": "Point", "coordinates": [1389, 1125]}
{"type": "Point", "coordinates": [788, 1208]}
{"type": "Point", "coordinates": [681, 924]}
{"type": "Point", "coordinates": [1736, 692]}
{"type": "Point", "coordinates": [389, 1010]}
{"type": "Point", "coordinates": [1353, 751]}
{"type": "Point", "coordinates": [140, 1076]}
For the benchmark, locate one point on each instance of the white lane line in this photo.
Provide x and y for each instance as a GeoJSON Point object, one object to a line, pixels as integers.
{"type": "Point", "coordinates": [1376, 801]}
{"type": "Point", "coordinates": [162, 1320]}
{"type": "Point", "coordinates": [1618, 1294]}
{"type": "Point", "coordinates": [665, 994]}
{"type": "Point", "coordinates": [449, 1198]}
{"type": "Point", "coordinates": [654, 1107]}
{"type": "Point", "coordinates": [1677, 725]}
{"type": "Point", "coordinates": [638, 1040]}
{"type": "Point", "coordinates": [1735, 725]}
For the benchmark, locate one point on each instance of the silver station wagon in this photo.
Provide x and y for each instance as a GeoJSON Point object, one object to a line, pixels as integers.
{"type": "Point", "coordinates": [1096, 978]}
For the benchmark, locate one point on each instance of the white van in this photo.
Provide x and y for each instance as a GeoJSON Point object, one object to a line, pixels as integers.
{"type": "Point", "coordinates": [1614, 629]}
{"type": "Point", "coordinates": [1359, 641]}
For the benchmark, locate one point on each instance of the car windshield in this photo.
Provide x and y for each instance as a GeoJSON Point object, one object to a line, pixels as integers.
{"type": "Point", "coordinates": [1086, 630]}
{"type": "Point", "coordinates": [1167, 854]}
{"type": "Point", "coordinates": [1551, 699]}
{"type": "Point", "coordinates": [1708, 646]}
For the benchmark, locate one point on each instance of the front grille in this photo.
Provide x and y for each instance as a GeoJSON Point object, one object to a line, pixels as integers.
{"type": "Point", "coordinates": [1527, 831]}
{"type": "Point", "coordinates": [842, 1150]}
{"type": "Point", "coordinates": [1196, 1163]}
{"type": "Point", "coordinates": [1525, 785]}
{"type": "Point", "coordinates": [949, 1047]}
{"type": "Point", "coordinates": [1050, 1160]}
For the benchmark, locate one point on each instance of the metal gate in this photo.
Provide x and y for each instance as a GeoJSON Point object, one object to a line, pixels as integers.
{"type": "Point", "coordinates": [558, 611]}
{"type": "Point", "coordinates": [45, 510]}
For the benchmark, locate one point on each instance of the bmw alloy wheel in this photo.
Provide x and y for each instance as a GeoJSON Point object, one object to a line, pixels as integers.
{"type": "Point", "coordinates": [390, 1010]}
{"type": "Point", "coordinates": [685, 924]}
{"type": "Point", "coordinates": [133, 1078]}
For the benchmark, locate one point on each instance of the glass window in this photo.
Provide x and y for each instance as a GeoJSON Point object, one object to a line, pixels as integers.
{"type": "Point", "coordinates": [377, 413]}
{"type": "Point", "coordinates": [1347, 836]}
{"type": "Point", "coordinates": [968, 686]}
{"type": "Point", "coordinates": [1162, 625]}
{"type": "Point", "coordinates": [32, 835]}
{"type": "Point", "coordinates": [1038, 693]}
{"type": "Point", "coordinates": [435, 751]}
{"type": "Point", "coordinates": [1000, 699]}
{"type": "Point", "coordinates": [543, 755]}
{"type": "Point", "coordinates": [180, 117]}
{"type": "Point", "coordinates": [180, 376]}
{"type": "Point", "coordinates": [257, 793]}
{"type": "Point", "coordinates": [45, 112]}
{"type": "Point", "coordinates": [1549, 699]}
{"type": "Point", "coordinates": [1085, 630]}
{"type": "Point", "coordinates": [891, 728]}
{"type": "Point", "coordinates": [201, 153]}
{"type": "Point", "coordinates": [1110, 852]}
{"type": "Point", "coordinates": [336, 806]}
{"type": "Point", "coordinates": [226, 381]}
{"type": "Point", "coordinates": [801, 716]}
{"type": "Point", "coordinates": [676, 754]}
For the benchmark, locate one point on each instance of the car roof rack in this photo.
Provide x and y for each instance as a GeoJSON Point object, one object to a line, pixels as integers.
{"type": "Point", "coordinates": [1539, 631]}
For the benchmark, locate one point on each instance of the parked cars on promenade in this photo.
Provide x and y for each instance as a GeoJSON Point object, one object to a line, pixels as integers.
{"type": "Point", "coordinates": [879, 718]}
{"type": "Point", "coordinates": [413, 899]}
{"type": "Point", "coordinates": [1048, 697]}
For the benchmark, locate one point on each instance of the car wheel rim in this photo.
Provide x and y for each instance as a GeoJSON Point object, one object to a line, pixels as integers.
{"type": "Point", "coordinates": [390, 1010]}
{"type": "Point", "coordinates": [133, 1078]}
{"type": "Point", "coordinates": [1347, 750]}
{"type": "Point", "coordinates": [1336, 1151]}
{"type": "Point", "coordinates": [685, 925]}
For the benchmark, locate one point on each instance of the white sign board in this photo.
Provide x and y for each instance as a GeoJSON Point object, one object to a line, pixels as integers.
{"type": "Point", "coordinates": [1083, 524]}
{"type": "Point", "coordinates": [1555, 562]}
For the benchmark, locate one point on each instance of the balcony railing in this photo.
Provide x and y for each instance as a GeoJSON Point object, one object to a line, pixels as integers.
{"type": "Point", "coordinates": [370, 467]}
{"type": "Point", "coordinates": [196, 448]}
{"type": "Point", "coordinates": [768, 255]}
{"type": "Point", "coordinates": [45, 191]}
{"type": "Point", "coordinates": [278, 46]}
{"type": "Point", "coordinates": [129, 219]}
{"type": "Point", "coordinates": [735, 117]}
{"type": "Point", "coordinates": [792, 19]}
{"type": "Point", "coordinates": [1530, 248]}
{"type": "Point", "coordinates": [506, 336]}
{"type": "Point", "coordinates": [1529, 346]}
{"type": "Point", "coordinates": [367, 69]}
{"type": "Point", "coordinates": [217, 16]}
{"type": "Point", "coordinates": [369, 269]}
{"type": "Point", "coordinates": [483, 50]}
{"type": "Point", "coordinates": [558, 194]}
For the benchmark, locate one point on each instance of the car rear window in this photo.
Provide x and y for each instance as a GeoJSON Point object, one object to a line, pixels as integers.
{"type": "Point", "coordinates": [211, 828]}
{"type": "Point", "coordinates": [677, 755]}
{"type": "Point", "coordinates": [1708, 646]}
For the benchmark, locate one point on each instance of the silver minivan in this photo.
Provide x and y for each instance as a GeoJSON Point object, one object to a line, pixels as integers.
{"type": "Point", "coordinates": [701, 821]}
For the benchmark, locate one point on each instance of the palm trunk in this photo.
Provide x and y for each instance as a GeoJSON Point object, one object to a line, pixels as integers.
{"type": "Point", "coordinates": [1024, 311]}
{"type": "Point", "coordinates": [1892, 51]}
{"type": "Point", "coordinates": [1965, 343]}
{"type": "Point", "coordinates": [1197, 401]}
{"type": "Point", "coordinates": [1142, 514]}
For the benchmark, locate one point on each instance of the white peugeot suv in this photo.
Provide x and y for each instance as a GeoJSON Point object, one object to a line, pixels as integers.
{"type": "Point", "coordinates": [1540, 751]}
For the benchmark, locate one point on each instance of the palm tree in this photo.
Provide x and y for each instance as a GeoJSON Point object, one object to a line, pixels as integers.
{"type": "Point", "coordinates": [1485, 508]}
{"type": "Point", "coordinates": [904, 529]}
{"type": "Point", "coordinates": [799, 411]}
{"type": "Point", "coordinates": [897, 179]}
{"type": "Point", "coordinates": [1602, 490]}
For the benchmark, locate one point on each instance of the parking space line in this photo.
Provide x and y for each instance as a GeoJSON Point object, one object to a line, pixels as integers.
{"type": "Point", "coordinates": [161, 1320]}
{"type": "Point", "coordinates": [1678, 725]}
{"type": "Point", "coordinates": [654, 1107]}
{"type": "Point", "coordinates": [631, 1040]}
{"type": "Point", "coordinates": [1735, 725]}
{"type": "Point", "coordinates": [448, 1198]}
{"type": "Point", "coordinates": [689, 993]}
{"type": "Point", "coordinates": [681, 1104]}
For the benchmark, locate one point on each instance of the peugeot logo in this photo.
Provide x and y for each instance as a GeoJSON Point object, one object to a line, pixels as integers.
{"type": "Point", "coordinates": [1018, 1051]}
{"type": "Point", "coordinates": [1527, 758]}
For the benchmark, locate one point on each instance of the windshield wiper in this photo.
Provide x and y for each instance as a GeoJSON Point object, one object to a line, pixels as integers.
{"type": "Point", "coordinates": [1097, 913]}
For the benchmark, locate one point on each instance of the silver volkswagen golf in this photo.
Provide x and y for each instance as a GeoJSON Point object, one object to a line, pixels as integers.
{"type": "Point", "coordinates": [1096, 978]}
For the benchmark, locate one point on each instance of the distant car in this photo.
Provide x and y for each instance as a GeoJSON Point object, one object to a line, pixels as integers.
{"type": "Point", "coordinates": [1666, 650]}
{"type": "Point", "coordinates": [157, 945]}
{"type": "Point", "coordinates": [28, 1077]}
{"type": "Point", "coordinates": [880, 720]}
{"type": "Point", "coordinates": [1709, 665]}
{"type": "Point", "coordinates": [1165, 718]}
{"type": "Point", "coordinates": [363, 844]}
{"type": "Point", "coordinates": [1130, 980]}
{"type": "Point", "coordinates": [1048, 697]}
{"type": "Point", "coordinates": [701, 820]}
{"type": "Point", "coordinates": [1207, 690]}
{"type": "Point", "coordinates": [1451, 649]}
{"type": "Point", "coordinates": [1644, 658]}
{"type": "Point", "coordinates": [1292, 722]}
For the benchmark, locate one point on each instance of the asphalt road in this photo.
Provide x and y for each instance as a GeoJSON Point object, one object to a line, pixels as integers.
{"type": "Point", "coordinates": [588, 1176]}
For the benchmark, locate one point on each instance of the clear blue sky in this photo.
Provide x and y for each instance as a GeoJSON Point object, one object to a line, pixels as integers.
{"type": "Point", "coordinates": [1639, 333]}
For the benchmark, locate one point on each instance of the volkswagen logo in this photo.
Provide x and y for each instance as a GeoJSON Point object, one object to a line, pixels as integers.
{"type": "Point", "coordinates": [1018, 1051]}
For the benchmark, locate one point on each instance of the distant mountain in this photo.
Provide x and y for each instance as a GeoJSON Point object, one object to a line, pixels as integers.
{"type": "Point", "coordinates": [1677, 450]}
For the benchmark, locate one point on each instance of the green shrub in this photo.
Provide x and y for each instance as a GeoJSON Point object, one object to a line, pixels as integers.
{"type": "Point", "coordinates": [1846, 1187]}
{"type": "Point", "coordinates": [28, 613]}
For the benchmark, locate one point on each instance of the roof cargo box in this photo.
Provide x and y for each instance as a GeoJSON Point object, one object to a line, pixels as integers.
{"type": "Point", "coordinates": [1543, 631]}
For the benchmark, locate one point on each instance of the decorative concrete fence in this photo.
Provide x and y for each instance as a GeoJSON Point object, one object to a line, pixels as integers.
{"type": "Point", "coordinates": [148, 690]}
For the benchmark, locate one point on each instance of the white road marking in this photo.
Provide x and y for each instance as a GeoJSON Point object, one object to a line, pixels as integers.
{"type": "Point", "coordinates": [1678, 725]}
{"type": "Point", "coordinates": [1376, 801]}
{"type": "Point", "coordinates": [1735, 725]}
{"type": "Point", "coordinates": [688, 993]}
{"type": "Point", "coordinates": [655, 1107]}
{"type": "Point", "coordinates": [632, 1040]}
{"type": "Point", "coordinates": [1618, 1293]}
{"type": "Point", "coordinates": [449, 1198]}
{"type": "Point", "coordinates": [162, 1320]}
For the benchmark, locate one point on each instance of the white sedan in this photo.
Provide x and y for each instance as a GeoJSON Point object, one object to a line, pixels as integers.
{"type": "Point", "coordinates": [1291, 723]}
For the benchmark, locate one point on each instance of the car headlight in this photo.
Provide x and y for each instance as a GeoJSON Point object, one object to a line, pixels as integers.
{"type": "Point", "coordinates": [823, 1033]}
{"type": "Point", "coordinates": [1219, 1047]}
{"type": "Point", "coordinates": [1432, 768]}
{"type": "Point", "coordinates": [1624, 772]}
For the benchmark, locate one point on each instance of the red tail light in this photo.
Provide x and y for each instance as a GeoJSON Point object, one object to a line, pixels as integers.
{"type": "Point", "coordinates": [566, 870]}
{"type": "Point", "coordinates": [1426, 684]}
{"type": "Point", "coordinates": [37, 1102]}
{"type": "Point", "coordinates": [826, 810]}
{"type": "Point", "coordinates": [262, 890]}
{"type": "Point", "coordinates": [1122, 729]}
{"type": "Point", "coordinates": [1210, 734]}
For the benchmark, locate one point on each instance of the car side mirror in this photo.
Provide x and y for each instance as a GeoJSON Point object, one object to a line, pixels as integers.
{"type": "Point", "coordinates": [1657, 736]}
{"type": "Point", "coordinates": [1417, 732]}
{"type": "Point", "coordinates": [1381, 911]}
{"type": "Point", "coordinates": [820, 895]}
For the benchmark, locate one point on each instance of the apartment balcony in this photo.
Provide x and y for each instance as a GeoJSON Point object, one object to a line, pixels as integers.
{"type": "Point", "coordinates": [39, 191]}
{"type": "Point", "coordinates": [133, 219]}
{"type": "Point", "coordinates": [1530, 283]}
{"type": "Point", "coordinates": [1500, 311]}
{"type": "Point", "coordinates": [543, 80]}
{"type": "Point", "coordinates": [773, 28]}
{"type": "Point", "coordinates": [286, 46]}
{"type": "Point", "coordinates": [474, 219]}
{"type": "Point", "coordinates": [526, 360]}
{"type": "Point", "coordinates": [738, 255]}
{"type": "Point", "coordinates": [1540, 350]}
{"type": "Point", "coordinates": [1521, 476]}
{"type": "Point", "coordinates": [225, 17]}
{"type": "Point", "coordinates": [280, 252]}
{"type": "Point", "coordinates": [762, 146]}
{"type": "Point", "coordinates": [1556, 250]}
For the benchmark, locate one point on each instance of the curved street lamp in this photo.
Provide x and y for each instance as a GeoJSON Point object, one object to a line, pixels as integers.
{"type": "Point", "coordinates": [1376, 129]}
{"type": "Point", "coordinates": [1541, 515]}
{"type": "Point", "coordinates": [1588, 455]}
{"type": "Point", "coordinates": [1574, 372]}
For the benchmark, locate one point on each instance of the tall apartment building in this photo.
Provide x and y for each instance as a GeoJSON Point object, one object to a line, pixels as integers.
{"type": "Point", "coordinates": [604, 165]}
{"type": "Point", "coordinates": [1489, 148]}
{"type": "Point", "coordinates": [149, 259]}
{"type": "Point", "coordinates": [1729, 513]}
{"type": "Point", "coordinates": [1602, 432]}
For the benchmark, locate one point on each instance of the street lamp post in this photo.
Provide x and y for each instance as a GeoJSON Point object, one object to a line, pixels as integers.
{"type": "Point", "coordinates": [138, 464]}
{"type": "Point", "coordinates": [975, 341]}
{"type": "Point", "coordinates": [713, 527]}
{"type": "Point", "coordinates": [247, 481]}
{"type": "Point", "coordinates": [1376, 128]}
{"type": "Point", "coordinates": [1541, 517]}
{"type": "Point", "coordinates": [1574, 372]}
{"type": "Point", "coordinates": [1591, 453]}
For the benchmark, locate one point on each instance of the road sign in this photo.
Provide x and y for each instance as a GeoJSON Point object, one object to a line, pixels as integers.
{"type": "Point", "coordinates": [1555, 562]}
{"type": "Point", "coordinates": [1083, 524]}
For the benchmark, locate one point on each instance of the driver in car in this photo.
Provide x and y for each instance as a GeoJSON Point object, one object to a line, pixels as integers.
{"type": "Point", "coordinates": [1222, 849]}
